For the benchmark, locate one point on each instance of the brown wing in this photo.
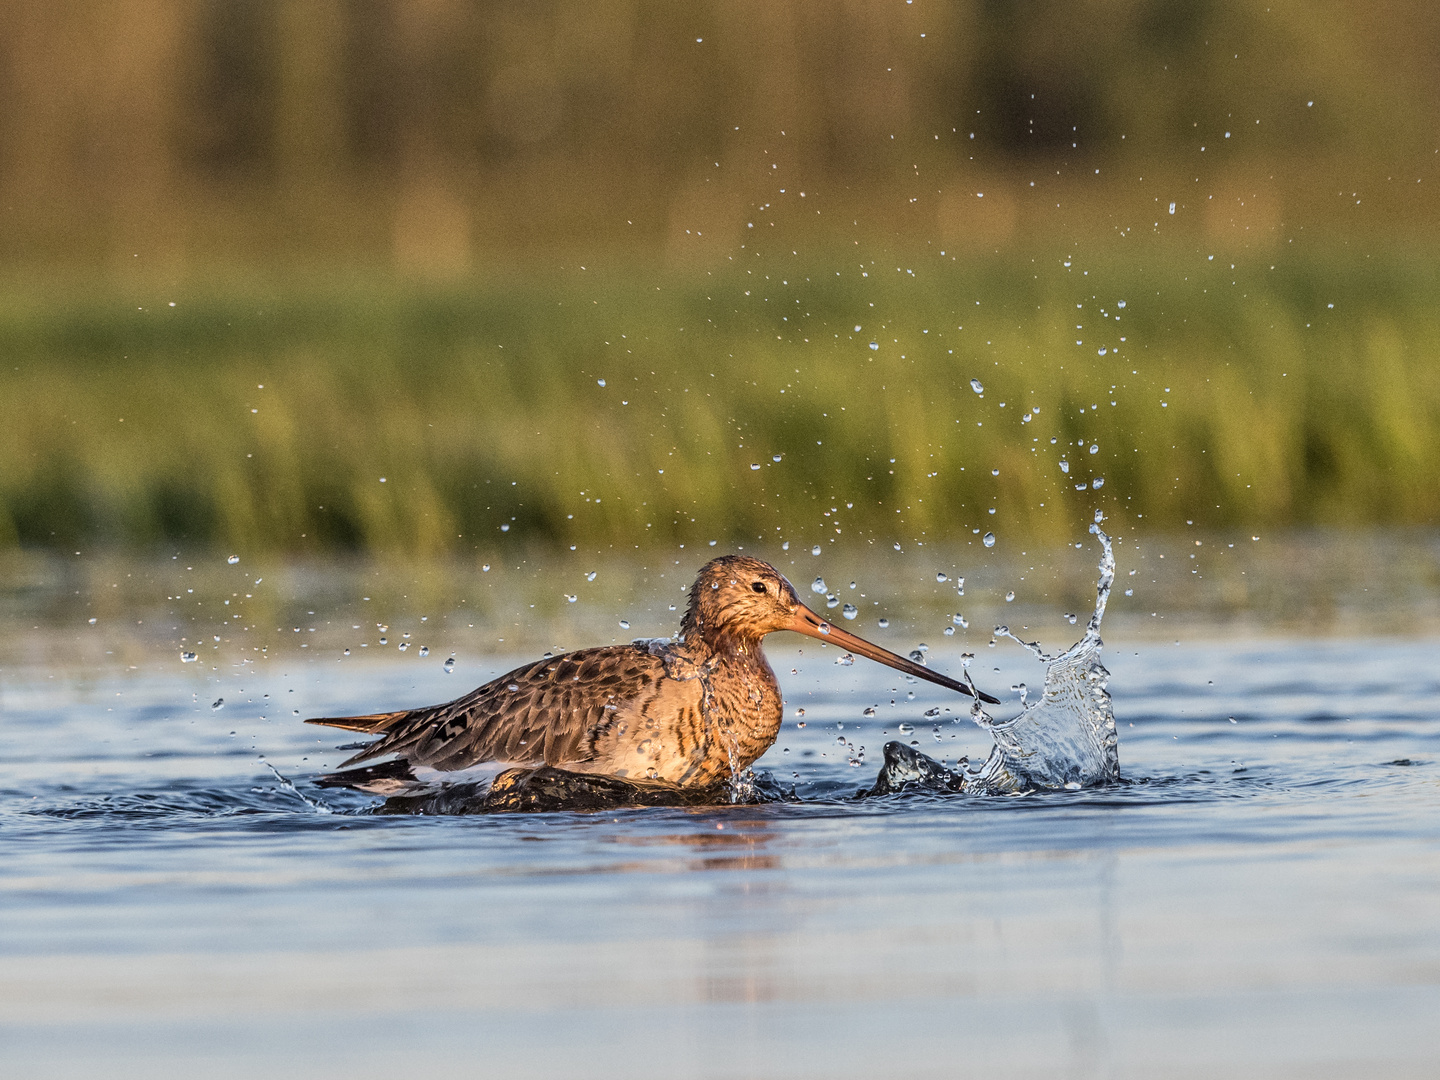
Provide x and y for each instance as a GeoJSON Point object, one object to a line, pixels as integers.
{"type": "Point", "coordinates": [550, 712]}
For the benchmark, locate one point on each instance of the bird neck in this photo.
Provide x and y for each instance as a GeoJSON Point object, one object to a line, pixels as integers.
{"type": "Point", "coordinates": [720, 644]}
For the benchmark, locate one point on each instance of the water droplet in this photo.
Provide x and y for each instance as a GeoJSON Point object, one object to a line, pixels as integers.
{"type": "Point", "coordinates": [917, 656]}
{"type": "Point", "coordinates": [1071, 618]}
{"type": "Point", "coordinates": [785, 546]}
{"type": "Point", "coordinates": [976, 386]}
{"type": "Point", "coordinates": [217, 704]}
{"type": "Point", "coordinates": [624, 624]}
{"type": "Point", "coordinates": [187, 658]}
{"type": "Point", "coordinates": [600, 382]}
{"type": "Point", "coordinates": [966, 659]}
{"type": "Point", "coordinates": [874, 346]}
{"type": "Point", "coordinates": [505, 526]}
{"type": "Point", "coordinates": [857, 329]}
{"type": "Point", "coordinates": [571, 598]}
{"type": "Point", "coordinates": [799, 712]}
{"type": "Point", "coordinates": [988, 539]}
{"type": "Point", "coordinates": [840, 740]}
{"type": "Point", "coordinates": [883, 623]}
{"type": "Point", "coordinates": [949, 631]}
{"type": "Point", "coordinates": [960, 586]}
{"type": "Point", "coordinates": [754, 466]}
{"type": "Point", "coordinates": [832, 601]}
{"type": "Point", "coordinates": [485, 569]}
{"type": "Point", "coordinates": [906, 729]}
{"type": "Point", "coordinates": [590, 576]}
{"type": "Point", "coordinates": [849, 611]}
{"type": "Point", "coordinates": [777, 457]}
{"type": "Point", "coordinates": [940, 576]}
{"type": "Point", "coordinates": [384, 641]}
{"type": "Point", "coordinates": [93, 621]}
{"type": "Point", "coordinates": [845, 661]}
{"type": "Point", "coordinates": [869, 710]}
{"type": "Point", "coordinates": [1094, 448]}
{"type": "Point", "coordinates": [960, 620]}
{"type": "Point", "coordinates": [347, 652]}
{"type": "Point", "coordinates": [818, 585]}
{"type": "Point", "coordinates": [1172, 208]}
{"type": "Point", "coordinates": [449, 665]}
{"type": "Point", "coordinates": [994, 472]}
{"type": "Point", "coordinates": [1064, 465]}
{"type": "Point", "coordinates": [1129, 592]}
{"type": "Point", "coordinates": [233, 559]}
{"type": "Point", "coordinates": [1010, 597]}
{"type": "Point", "coordinates": [815, 550]}
{"type": "Point", "coordinates": [1121, 304]}
{"type": "Point", "coordinates": [404, 645]}
{"type": "Point", "coordinates": [1098, 483]}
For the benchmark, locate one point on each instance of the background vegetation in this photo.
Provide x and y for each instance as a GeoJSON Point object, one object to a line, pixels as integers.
{"type": "Point", "coordinates": [257, 256]}
{"type": "Point", "coordinates": [430, 421]}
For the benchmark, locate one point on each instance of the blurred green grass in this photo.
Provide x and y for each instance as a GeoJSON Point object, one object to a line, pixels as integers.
{"type": "Point", "coordinates": [1236, 397]}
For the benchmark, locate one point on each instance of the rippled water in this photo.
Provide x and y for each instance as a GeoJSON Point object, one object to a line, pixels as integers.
{"type": "Point", "coordinates": [1257, 898]}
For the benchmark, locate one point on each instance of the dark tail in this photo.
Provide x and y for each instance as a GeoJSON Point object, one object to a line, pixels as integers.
{"type": "Point", "coordinates": [374, 724]}
{"type": "Point", "coordinates": [387, 778]}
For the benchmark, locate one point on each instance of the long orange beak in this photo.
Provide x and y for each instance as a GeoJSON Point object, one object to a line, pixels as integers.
{"type": "Point", "coordinates": [808, 623]}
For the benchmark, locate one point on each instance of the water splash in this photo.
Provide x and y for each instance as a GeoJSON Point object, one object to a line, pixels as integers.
{"type": "Point", "coordinates": [1067, 738]}
{"type": "Point", "coordinates": [313, 804]}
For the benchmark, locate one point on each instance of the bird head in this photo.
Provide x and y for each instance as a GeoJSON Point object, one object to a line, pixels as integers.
{"type": "Point", "coordinates": [737, 600]}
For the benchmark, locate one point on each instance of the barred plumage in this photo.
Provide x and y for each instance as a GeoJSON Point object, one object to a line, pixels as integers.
{"type": "Point", "coordinates": [690, 711]}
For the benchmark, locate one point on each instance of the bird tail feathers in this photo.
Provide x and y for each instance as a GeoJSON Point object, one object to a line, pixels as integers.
{"type": "Point", "coordinates": [373, 724]}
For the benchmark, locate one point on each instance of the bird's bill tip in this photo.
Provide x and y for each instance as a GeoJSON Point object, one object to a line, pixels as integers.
{"type": "Point", "coordinates": [810, 624]}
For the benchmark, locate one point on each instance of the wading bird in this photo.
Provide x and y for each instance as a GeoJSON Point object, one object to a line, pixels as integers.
{"type": "Point", "coordinates": [692, 712]}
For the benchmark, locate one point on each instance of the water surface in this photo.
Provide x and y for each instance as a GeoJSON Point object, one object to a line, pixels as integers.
{"type": "Point", "coordinates": [1257, 898]}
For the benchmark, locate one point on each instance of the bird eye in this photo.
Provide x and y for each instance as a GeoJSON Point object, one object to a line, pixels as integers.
{"type": "Point", "coordinates": [758, 586]}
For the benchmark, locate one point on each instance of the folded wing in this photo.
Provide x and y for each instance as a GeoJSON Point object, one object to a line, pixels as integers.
{"type": "Point", "coordinates": [552, 712]}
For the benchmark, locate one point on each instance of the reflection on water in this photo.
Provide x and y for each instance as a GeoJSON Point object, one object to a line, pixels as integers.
{"type": "Point", "coordinates": [1257, 898]}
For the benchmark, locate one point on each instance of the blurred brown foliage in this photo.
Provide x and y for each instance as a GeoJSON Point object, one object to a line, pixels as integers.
{"type": "Point", "coordinates": [439, 136]}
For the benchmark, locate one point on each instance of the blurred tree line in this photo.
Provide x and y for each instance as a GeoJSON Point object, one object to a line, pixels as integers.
{"type": "Point", "coordinates": [442, 135]}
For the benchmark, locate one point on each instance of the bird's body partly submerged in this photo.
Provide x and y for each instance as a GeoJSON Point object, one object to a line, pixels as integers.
{"type": "Point", "coordinates": [690, 712]}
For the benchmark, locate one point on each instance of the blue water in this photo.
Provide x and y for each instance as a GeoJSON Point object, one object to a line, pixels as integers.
{"type": "Point", "coordinates": [1259, 898]}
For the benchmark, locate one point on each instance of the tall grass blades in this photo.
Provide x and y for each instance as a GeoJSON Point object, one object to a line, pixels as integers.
{"type": "Point", "coordinates": [632, 410]}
